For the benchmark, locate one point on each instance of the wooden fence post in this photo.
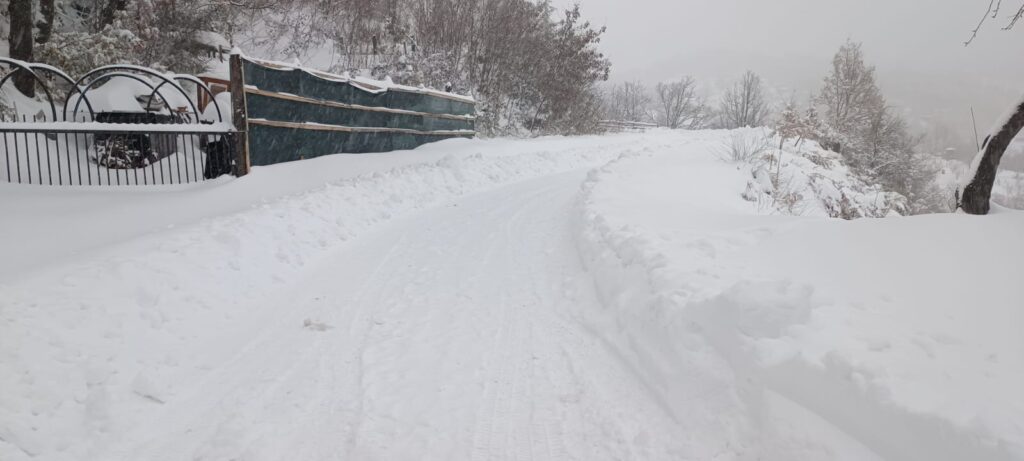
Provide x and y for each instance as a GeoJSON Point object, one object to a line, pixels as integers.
{"type": "Point", "coordinates": [239, 115]}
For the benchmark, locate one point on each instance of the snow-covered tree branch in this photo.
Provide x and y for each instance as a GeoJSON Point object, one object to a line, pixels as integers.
{"type": "Point", "coordinates": [992, 13]}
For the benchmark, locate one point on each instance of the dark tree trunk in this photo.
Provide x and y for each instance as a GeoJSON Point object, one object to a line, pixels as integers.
{"type": "Point", "coordinates": [46, 9]}
{"type": "Point", "coordinates": [977, 195]}
{"type": "Point", "coordinates": [109, 10]}
{"type": "Point", "coordinates": [20, 39]}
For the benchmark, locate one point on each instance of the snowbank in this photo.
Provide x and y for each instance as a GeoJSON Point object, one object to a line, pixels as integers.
{"type": "Point", "coordinates": [901, 335]}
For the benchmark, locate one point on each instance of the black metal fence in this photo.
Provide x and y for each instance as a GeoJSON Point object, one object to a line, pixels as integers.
{"type": "Point", "coordinates": [69, 140]}
{"type": "Point", "coordinates": [93, 153]}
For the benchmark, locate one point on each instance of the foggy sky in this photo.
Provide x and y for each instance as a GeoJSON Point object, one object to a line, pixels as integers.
{"type": "Point", "coordinates": [916, 45]}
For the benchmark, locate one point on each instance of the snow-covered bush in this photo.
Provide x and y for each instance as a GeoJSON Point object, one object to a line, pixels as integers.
{"type": "Point", "coordinates": [796, 178]}
{"type": "Point", "coordinates": [1009, 189]}
{"type": "Point", "coordinates": [874, 138]}
{"type": "Point", "coordinates": [745, 146]}
{"type": "Point", "coordinates": [77, 52]}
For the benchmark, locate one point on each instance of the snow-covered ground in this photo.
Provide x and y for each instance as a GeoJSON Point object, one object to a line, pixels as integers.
{"type": "Point", "coordinates": [901, 333]}
{"type": "Point", "coordinates": [623, 297]}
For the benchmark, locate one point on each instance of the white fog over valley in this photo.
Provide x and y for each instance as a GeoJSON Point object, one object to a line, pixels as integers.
{"type": "Point", "coordinates": [917, 47]}
{"type": "Point", "coordinates": [710, 230]}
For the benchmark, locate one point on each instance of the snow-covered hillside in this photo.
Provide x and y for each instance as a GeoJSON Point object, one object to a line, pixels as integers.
{"type": "Point", "coordinates": [899, 333]}
{"type": "Point", "coordinates": [641, 296]}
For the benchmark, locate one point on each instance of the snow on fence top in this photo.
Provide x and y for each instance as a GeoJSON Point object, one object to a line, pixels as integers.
{"type": "Point", "coordinates": [91, 127]}
{"type": "Point", "coordinates": [293, 113]}
{"type": "Point", "coordinates": [366, 84]}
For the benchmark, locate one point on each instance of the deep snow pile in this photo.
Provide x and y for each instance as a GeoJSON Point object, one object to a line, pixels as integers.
{"type": "Point", "coordinates": [901, 334]}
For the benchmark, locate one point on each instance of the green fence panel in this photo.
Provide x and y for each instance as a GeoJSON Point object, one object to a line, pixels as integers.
{"type": "Point", "coordinates": [275, 144]}
{"type": "Point", "coordinates": [271, 108]}
{"type": "Point", "coordinates": [271, 144]}
{"type": "Point", "coordinates": [301, 83]}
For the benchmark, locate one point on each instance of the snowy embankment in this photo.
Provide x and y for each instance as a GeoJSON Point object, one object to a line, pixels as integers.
{"type": "Point", "coordinates": [113, 301]}
{"type": "Point", "coordinates": [894, 338]}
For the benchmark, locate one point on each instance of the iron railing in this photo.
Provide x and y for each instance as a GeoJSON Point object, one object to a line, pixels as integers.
{"type": "Point", "coordinates": [69, 141]}
{"type": "Point", "coordinates": [93, 153]}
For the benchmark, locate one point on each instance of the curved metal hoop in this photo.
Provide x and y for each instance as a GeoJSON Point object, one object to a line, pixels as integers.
{"type": "Point", "coordinates": [87, 88]}
{"type": "Point", "coordinates": [21, 66]}
{"type": "Point", "coordinates": [122, 70]}
{"type": "Point", "coordinates": [199, 84]}
{"type": "Point", "coordinates": [55, 71]}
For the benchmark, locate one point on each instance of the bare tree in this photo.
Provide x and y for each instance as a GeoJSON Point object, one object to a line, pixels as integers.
{"type": "Point", "coordinates": [744, 104]}
{"type": "Point", "coordinates": [994, 7]}
{"type": "Point", "coordinates": [679, 106]}
{"type": "Point", "coordinates": [630, 102]}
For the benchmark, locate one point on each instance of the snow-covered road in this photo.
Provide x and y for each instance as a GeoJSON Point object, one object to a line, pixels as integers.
{"type": "Point", "coordinates": [501, 300]}
{"type": "Point", "coordinates": [447, 335]}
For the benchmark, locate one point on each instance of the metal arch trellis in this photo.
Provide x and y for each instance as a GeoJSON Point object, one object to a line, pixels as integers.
{"type": "Point", "coordinates": [67, 78]}
{"type": "Point", "coordinates": [59, 151]}
{"type": "Point", "coordinates": [206, 89]}
{"type": "Point", "coordinates": [94, 82]}
{"type": "Point", "coordinates": [22, 66]}
{"type": "Point", "coordinates": [100, 72]}
{"type": "Point", "coordinates": [199, 84]}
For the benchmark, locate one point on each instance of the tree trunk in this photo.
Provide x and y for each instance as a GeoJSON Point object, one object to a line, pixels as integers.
{"type": "Point", "coordinates": [977, 195]}
{"type": "Point", "coordinates": [46, 9]}
{"type": "Point", "coordinates": [20, 39]}
{"type": "Point", "coordinates": [109, 10]}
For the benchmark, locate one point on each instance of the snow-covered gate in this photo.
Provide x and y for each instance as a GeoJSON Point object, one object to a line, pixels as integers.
{"type": "Point", "coordinates": [287, 113]}
{"type": "Point", "coordinates": [115, 125]}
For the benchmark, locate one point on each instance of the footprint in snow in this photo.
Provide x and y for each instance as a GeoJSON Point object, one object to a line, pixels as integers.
{"type": "Point", "coordinates": [315, 326]}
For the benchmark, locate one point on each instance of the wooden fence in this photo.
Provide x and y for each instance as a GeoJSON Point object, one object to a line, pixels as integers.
{"type": "Point", "coordinates": [286, 113]}
{"type": "Point", "coordinates": [624, 126]}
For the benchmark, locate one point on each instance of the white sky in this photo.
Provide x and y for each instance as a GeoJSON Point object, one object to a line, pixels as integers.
{"type": "Point", "coordinates": [917, 46]}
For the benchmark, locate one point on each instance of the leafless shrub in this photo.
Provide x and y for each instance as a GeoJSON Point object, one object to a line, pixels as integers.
{"type": "Point", "coordinates": [747, 146]}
